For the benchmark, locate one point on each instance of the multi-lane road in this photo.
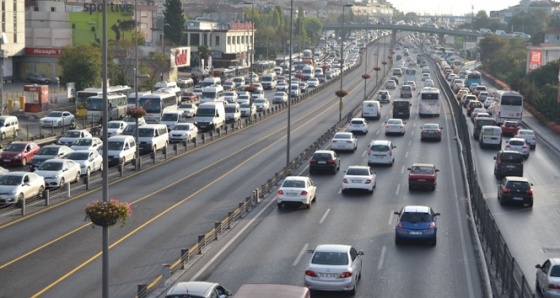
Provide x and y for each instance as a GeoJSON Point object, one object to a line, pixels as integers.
{"type": "Point", "coordinates": [54, 253]}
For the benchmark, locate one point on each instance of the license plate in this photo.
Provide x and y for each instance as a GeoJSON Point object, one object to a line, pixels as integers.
{"type": "Point", "coordinates": [322, 162]}
{"type": "Point", "coordinates": [291, 194]}
{"type": "Point", "coordinates": [327, 275]}
{"type": "Point", "coordinates": [510, 166]}
{"type": "Point", "coordinates": [517, 199]}
{"type": "Point", "coordinates": [415, 233]}
{"type": "Point", "coordinates": [421, 180]}
{"type": "Point", "coordinates": [7, 160]}
{"type": "Point", "coordinates": [356, 181]}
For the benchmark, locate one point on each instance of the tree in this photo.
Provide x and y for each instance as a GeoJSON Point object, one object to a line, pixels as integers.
{"type": "Point", "coordinates": [204, 53]}
{"type": "Point", "coordinates": [81, 65]}
{"type": "Point", "coordinates": [175, 18]}
{"type": "Point", "coordinates": [127, 26]}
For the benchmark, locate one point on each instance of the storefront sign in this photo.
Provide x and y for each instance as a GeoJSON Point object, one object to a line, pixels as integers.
{"type": "Point", "coordinates": [49, 52]}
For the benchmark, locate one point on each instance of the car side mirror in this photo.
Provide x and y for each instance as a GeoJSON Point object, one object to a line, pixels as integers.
{"type": "Point", "coordinates": [361, 253]}
{"type": "Point", "coordinates": [437, 214]}
{"type": "Point", "coordinates": [437, 170]}
{"type": "Point", "coordinates": [538, 266]}
{"type": "Point", "coordinates": [494, 157]}
{"type": "Point", "coordinates": [396, 213]}
{"type": "Point", "coordinates": [310, 251]}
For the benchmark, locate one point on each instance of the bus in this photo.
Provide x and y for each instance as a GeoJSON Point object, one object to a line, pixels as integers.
{"type": "Point", "coordinates": [473, 77]}
{"type": "Point", "coordinates": [429, 99]}
{"type": "Point", "coordinates": [223, 73]}
{"type": "Point", "coordinates": [409, 75]}
{"type": "Point", "coordinates": [132, 98]}
{"type": "Point", "coordinates": [508, 106]}
{"type": "Point", "coordinates": [117, 104]}
{"type": "Point", "coordinates": [82, 96]}
{"type": "Point", "coordinates": [262, 67]}
{"type": "Point", "coordinates": [158, 103]}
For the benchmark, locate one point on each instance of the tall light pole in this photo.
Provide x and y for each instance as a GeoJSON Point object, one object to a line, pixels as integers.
{"type": "Point", "coordinates": [105, 192]}
{"type": "Point", "coordinates": [252, 41]}
{"type": "Point", "coordinates": [3, 39]}
{"type": "Point", "coordinates": [137, 160]}
{"type": "Point", "coordinates": [163, 37]}
{"type": "Point", "coordinates": [289, 84]}
{"type": "Point", "coordinates": [342, 60]}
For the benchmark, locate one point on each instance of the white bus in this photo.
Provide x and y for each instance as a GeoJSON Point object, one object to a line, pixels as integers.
{"type": "Point", "coordinates": [116, 103]}
{"type": "Point", "coordinates": [429, 99]}
{"type": "Point", "coordinates": [83, 95]}
{"type": "Point", "coordinates": [213, 93]}
{"type": "Point", "coordinates": [132, 98]}
{"type": "Point", "coordinates": [158, 103]}
{"type": "Point", "coordinates": [508, 106]}
{"type": "Point", "coordinates": [409, 75]}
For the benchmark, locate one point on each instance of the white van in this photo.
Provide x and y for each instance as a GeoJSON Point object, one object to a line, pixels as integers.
{"type": "Point", "coordinates": [210, 116]}
{"type": "Point", "coordinates": [211, 81]}
{"type": "Point", "coordinates": [212, 93]}
{"type": "Point", "coordinates": [9, 126]}
{"type": "Point", "coordinates": [233, 112]}
{"type": "Point", "coordinates": [162, 85]}
{"type": "Point", "coordinates": [185, 83]}
{"type": "Point", "coordinates": [121, 149]}
{"type": "Point", "coordinates": [269, 81]}
{"type": "Point", "coordinates": [308, 72]}
{"type": "Point", "coordinates": [381, 152]}
{"type": "Point", "coordinates": [371, 109]}
{"type": "Point", "coordinates": [490, 136]}
{"type": "Point", "coordinates": [170, 119]}
{"type": "Point", "coordinates": [295, 90]}
{"type": "Point", "coordinates": [152, 137]}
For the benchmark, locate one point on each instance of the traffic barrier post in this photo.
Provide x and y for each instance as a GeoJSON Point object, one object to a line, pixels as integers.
{"type": "Point", "coordinates": [86, 181]}
{"type": "Point", "coordinates": [67, 187]}
{"type": "Point", "coordinates": [176, 149]}
{"type": "Point", "coordinates": [46, 196]}
{"type": "Point", "coordinates": [166, 274]}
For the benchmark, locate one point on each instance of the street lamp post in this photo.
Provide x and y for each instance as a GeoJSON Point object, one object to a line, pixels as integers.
{"type": "Point", "coordinates": [342, 60]}
{"type": "Point", "coordinates": [289, 84]}
{"type": "Point", "coordinates": [163, 37]}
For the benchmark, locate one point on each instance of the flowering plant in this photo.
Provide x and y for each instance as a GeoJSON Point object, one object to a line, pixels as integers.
{"type": "Point", "coordinates": [366, 76]}
{"type": "Point", "coordinates": [377, 68]}
{"type": "Point", "coordinates": [108, 213]}
{"type": "Point", "coordinates": [136, 112]}
{"type": "Point", "coordinates": [341, 93]}
{"type": "Point", "coordinates": [384, 62]}
{"type": "Point", "coordinates": [251, 88]}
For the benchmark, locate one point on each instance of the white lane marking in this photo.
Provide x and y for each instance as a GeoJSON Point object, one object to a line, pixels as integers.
{"type": "Point", "coordinates": [398, 188]}
{"type": "Point", "coordinates": [381, 258]}
{"type": "Point", "coordinates": [364, 153]}
{"type": "Point", "coordinates": [300, 255]}
{"type": "Point", "coordinates": [402, 168]}
{"type": "Point", "coordinates": [406, 155]}
{"type": "Point", "coordinates": [390, 222]}
{"type": "Point", "coordinates": [325, 216]}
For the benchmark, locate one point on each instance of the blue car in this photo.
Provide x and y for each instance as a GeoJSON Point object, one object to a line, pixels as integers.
{"type": "Point", "coordinates": [416, 223]}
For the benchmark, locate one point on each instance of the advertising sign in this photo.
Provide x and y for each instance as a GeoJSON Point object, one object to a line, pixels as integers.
{"type": "Point", "coordinates": [180, 57]}
{"type": "Point", "coordinates": [87, 26]}
{"type": "Point", "coordinates": [535, 59]}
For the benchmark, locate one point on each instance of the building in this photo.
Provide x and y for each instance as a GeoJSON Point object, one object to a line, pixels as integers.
{"type": "Point", "coordinates": [12, 43]}
{"type": "Point", "coordinates": [542, 54]}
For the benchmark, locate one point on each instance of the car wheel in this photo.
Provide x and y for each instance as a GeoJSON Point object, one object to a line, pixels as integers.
{"type": "Point", "coordinates": [62, 181]}
{"type": "Point", "coordinates": [537, 286]}
{"type": "Point", "coordinates": [279, 205]}
{"type": "Point", "coordinates": [3, 136]}
{"type": "Point", "coordinates": [24, 162]}
{"type": "Point", "coordinates": [434, 187]}
{"type": "Point", "coordinates": [77, 177]}
{"type": "Point", "coordinates": [335, 169]}
{"type": "Point", "coordinates": [40, 193]}
{"type": "Point", "coordinates": [434, 242]}
{"type": "Point", "coordinates": [500, 200]}
{"type": "Point", "coordinates": [88, 172]}
{"type": "Point", "coordinates": [397, 241]}
{"type": "Point", "coordinates": [410, 187]}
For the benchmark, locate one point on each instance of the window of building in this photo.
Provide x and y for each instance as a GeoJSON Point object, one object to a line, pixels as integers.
{"type": "Point", "coordinates": [229, 40]}
{"type": "Point", "coordinates": [143, 14]}
{"type": "Point", "coordinates": [217, 41]}
{"type": "Point", "coordinates": [238, 40]}
{"type": "Point", "coordinates": [195, 39]}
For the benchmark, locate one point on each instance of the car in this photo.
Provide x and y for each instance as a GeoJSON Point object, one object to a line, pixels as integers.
{"type": "Point", "coordinates": [313, 82]}
{"type": "Point", "coordinates": [197, 91]}
{"type": "Point", "coordinates": [183, 132]}
{"type": "Point", "coordinates": [257, 94]}
{"type": "Point", "coordinates": [72, 135]}
{"type": "Point", "coordinates": [230, 96]}
{"type": "Point", "coordinates": [548, 278]}
{"type": "Point", "coordinates": [422, 175]}
{"type": "Point", "coordinates": [19, 185]}
{"type": "Point", "coordinates": [359, 177]}
{"type": "Point", "coordinates": [344, 141]}
{"type": "Point", "coordinates": [416, 223]}
{"type": "Point", "coordinates": [89, 161]}
{"type": "Point", "coordinates": [115, 128]}
{"type": "Point", "coordinates": [303, 86]}
{"type": "Point", "coordinates": [19, 153]}
{"type": "Point", "coordinates": [262, 104]}
{"type": "Point", "coordinates": [324, 160]}
{"type": "Point", "coordinates": [395, 126]}
{"type": "Point", "coordinates": [49, 152]}
{"type": "Point", "coordinates": [472, 105]}
{"type": "Point", "coordinates": [280, 97]}
{"type": "Point", "coordinates": [228, 85]}
{"type": "Point", "coordinates": [297, 190]}
{"type": "Point", "coordinates": [411, 84]}
{"type": "Point", "coordinates": [38, 78]}
{"type": "Point", "coordinates": [189, 109]}
{"type": "Point", "coordinates": [508, 163]}
{"type": "Point", "coordinates": [243, 97]}
{"type": "Point", "coordinates": [394, 78]}
{"type": "Point", "coordinates": [282, 86]}
{"type": "Point", "coordinates": [515, 190]}
{"type": "Point", "coordinates": [426, 76]}
{"type": "Point", "coordinates": [57, 172]}
{"type": "Point", "coordinates": [529, 136]}
{"type": "Point", "coordinates": [406, 91]}
{"type": "Point", "coordinates": [488, 103]}
{"type": "Point", "coordinates": [510, 127]}
{"type": "Point", "coordinates": [519, 145]}
{"type": "Point", "coordinates": [384, 96]}
{"type": "Point", "coordinates": [189, 97]}
{"type": "Point", "coordinates": [390, 84]}
{"type": "Point", "coordinates": [248, 110]}
{"type": "Point", "coordinates": [334, 267]}
{"type": "Point", "coordinates": [429, 83]}
{"type": "Point", "coordinates": [198, 289]}
{"type": "Point", "coordinates": [467, 98]}
{"type": "Point", "coordinates": [89, 143]}
{"type": "Point", "coordinates": [358, 125]}
{"type": "Point", "coordinates": [430, 131]}
{"type": "Point", "coordinates": [258, 85]}
{"type": "Point", "coordinates": [381, 152]}
{"type": "Point", "coordinates": [132, 120]}
{"type": "Point", "coordinates": [57, 119]}
{"type": "Point", "coordinates": [477, 111]}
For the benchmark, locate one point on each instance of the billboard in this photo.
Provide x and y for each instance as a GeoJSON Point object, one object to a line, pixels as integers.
{"type": "Point", "coordinates": [535, 59]}
{"type": "Point", "coordinates": [87, 26]}
{"type": "Point", "coordinates": [180, 57]}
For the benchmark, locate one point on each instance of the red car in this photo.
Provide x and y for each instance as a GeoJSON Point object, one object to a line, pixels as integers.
{"type": "Point", "coordinates": [189, 97]}
{"type": "Point", "coordinates": [510, 127]}
{"type": "Point", "coordinates": [19, 153]}
{"type": "Point", "coordinates": [422, 175]}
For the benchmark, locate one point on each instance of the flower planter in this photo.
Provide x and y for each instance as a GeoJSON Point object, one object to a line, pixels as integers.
{"type": "Point", "coordinates": [107, 214]}
{"type": "Point", "coordinates": [104, 221]}
{"type": "Point", "coordinates": [136, 112]}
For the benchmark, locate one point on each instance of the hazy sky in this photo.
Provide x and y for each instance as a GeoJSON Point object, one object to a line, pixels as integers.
{"type": "Point", "coordinates": [454, 7]}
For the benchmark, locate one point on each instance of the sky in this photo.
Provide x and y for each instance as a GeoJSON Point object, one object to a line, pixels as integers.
{"type": "Point", "coordinates": [453, 7]}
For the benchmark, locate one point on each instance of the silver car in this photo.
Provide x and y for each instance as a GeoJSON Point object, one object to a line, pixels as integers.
{"type": "Point", "coordinates": [16, 186]}
{"type": "Point", "coordinates": [200, 289]}
{"type": "Point", "coordinates": [548, 278]}
{"type": "Point", "coordinates": [334, 267]}
{"type": "Point", "coordinates": [344, 141]}
{"type": "Point", "coordinates": [519, 145]}
{"type": "Point", "coordinates": [529, 136]}
{"type": "Point", "coordinates": [89, 161]}
{"type": "Point", "coordinates": [59, 171]}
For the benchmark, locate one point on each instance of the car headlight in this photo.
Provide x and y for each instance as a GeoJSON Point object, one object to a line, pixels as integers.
{"type": "Point", "coordinates": [13, 192]}
{"type": "Point", "coordinates": [18, 155]}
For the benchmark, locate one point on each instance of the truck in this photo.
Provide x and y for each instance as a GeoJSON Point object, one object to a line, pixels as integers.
{"type": "Point", "coordinates": [210, 116]}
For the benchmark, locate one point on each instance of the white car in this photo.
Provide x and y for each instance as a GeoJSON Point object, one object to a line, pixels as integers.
{"type": "Point", "coordinates": [230, 96]}
{"type": "Point", "coordinates": [519, 145]}
{"type": "Point", "coordinates": [115, 128]}
{"type": "Point", "coordinates": [189, 109]}
{"type": "Point", "coordinates": [280, 97]}
{"type": "Point", "coordinates": [426, 76]}
{"type": "Point", "coordinates": [57, 119]}
{"type": "Point", "coordinates": [529, 136]}
{"type": "Point", "coordinates": [16, 186]}
{"type": "Point", "coordinates": [359, 177]}
{"type": "Point", "coordinates": [395, 126]}
{"type": "Point", "coordinates": [282, 86]}
{"type": "Point", "coordinates": [384, 96]}
{"type": "Point", "coordinates": [313, 82]}
{"type": "Point", "coordinates": [59, 171]}
{"type": "Point", "coordinates": [183, 132]}
{"type": "Point", "coordinates": [132, 121]}
{"type": "Point", "coordinates": [429, 83]}
{"type": "Point", "coordinates": [358, 125]}
{"type": "Point", "coordinates": [390, 84]}
{"type": "Point", "coordinates": [262, 104]}
{"type": "Point", "coordinates": [72, 135]}
{"type": "Point", "coordinates": [89, 161]}
{"type": "Point", "coordinates": [344, 141]}
{"type": "Point", "coordinates": [244, 97]}
{"type": "Point", "coordinates": [248, 110]}
{"type": "Point", "coordinates": [91, 143]}
{"type": "Point", "coordinates": [298, 190]}
{"type": "Point", "coordinates": [548, 278]}
{"type": "Point", "coordinates": [411, 84]}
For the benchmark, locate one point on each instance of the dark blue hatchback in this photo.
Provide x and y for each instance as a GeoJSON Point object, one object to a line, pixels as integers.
{"type": "Point", "coordinates": [416, 223]}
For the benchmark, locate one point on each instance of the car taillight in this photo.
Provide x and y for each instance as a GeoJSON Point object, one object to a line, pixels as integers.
{"type": "Point", "coordinates": [386, 126]}
{"type": "Point", "coordinates": [432, 225]}
{"type": "Point", "coordinates": [524, 146]}
{"type": "Point", "coordinates": [534, 137]}
{"type": "Point", "coordinates": [506, 190]}
{"type": "Point", "coordinates": [507, 147]}
{"type": "Point", "coordinates": [303, 192]}
{"type": "Point", "coordinates": [399, 225]}
{"type": "Point", "coordinates": [310, 273]}
{"type": "Point", "coordinates": [368, 181]}
{"type": "Point", "coordinates": [330, 161]}
{"type": "Point", "coordinates": [280, 192]}
{"type": "Point", "coordinates": [345, 274]}
{"type": "Point", "coordinates": [424, 131]}
{"type": "Point", "coordinates": [345, 180]}
{"type": "Point", "coordinates": [554, 286]}
{"type": "Point", "coordinates": [313, 160]}
{"type": "Point", "coordinates": [529, 191]}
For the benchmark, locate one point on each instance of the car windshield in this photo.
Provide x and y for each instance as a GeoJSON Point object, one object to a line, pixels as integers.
{"type": "Point", "coordinates": [15, 147]}
{"type": "Point", "coordinates": [416, 217]}
{"type": "Point", "coordinates": [72, 134]}
{"type": "Point", "coordinates": [83, 142]}
{"type": "Point", "coordinates": [516, 142]}
{"type": "Point", "coordinates": [115, 145]}
{"type": "Point", "coordinates": [341, 136]}
{"type": "Point", "coordinates": [358, 122]}
{"type": "Point", "coordinates": [294, 183]}
{"type": "Point", "coordinates": [394, 122]}
{"type": "Point", "coordinates": [182, 127]}
{"type": "Point", "coordinates": [185, 106]}
{"type": "Point", "coordinates": [48, 151]}
{"type": "Point", "coordinates": [78, 155]}
{"type": "Point", "coordinates": [357, 172]}
{"type": "Point", "coordinates": [519, 185]}
{"type": "Point", "coordinates": [422, 170]}
{"type": "Point", "coordinates": [511, 157]}
{"type": "Point", "coordinates": [169, 117]}
{"type": "Point", "coordinates": [50, 166]}
{"type": "Point", "coordinates": [322, 156]}
{"type": "Point", "coordinates": [113, 125]}
{"type": "Point", "coordinates": [378, 148]}
{"type": "Point", "coordinates": [330, 258]}
{"type": "Point", "coordinates": [431, 126]}
{"type": "Point", "coordinates": [55, 114]}
{"type": "Point", "coordinates": [146, 132]}
{"type": "Point", "coordinates": [10, 180]}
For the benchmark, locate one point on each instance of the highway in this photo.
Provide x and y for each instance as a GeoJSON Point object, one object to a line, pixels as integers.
{"type": "Point", "coordinates": [61, 253]}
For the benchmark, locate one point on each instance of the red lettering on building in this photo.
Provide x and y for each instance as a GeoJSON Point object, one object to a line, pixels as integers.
{"type": "Point", "coordinates": [182, 57]}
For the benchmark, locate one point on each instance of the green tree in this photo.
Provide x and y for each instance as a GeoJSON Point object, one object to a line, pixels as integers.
{"type": "Point", "coordinates": [204, 52]}
{"type": "Point", "coordinates": [127, 26]}
{"type": "Point", "coordinates": [81, 65]}
{"type": "Point", "coordinates": [175, 20]}
{"type": "Point", "coordinates": [313, 28]}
